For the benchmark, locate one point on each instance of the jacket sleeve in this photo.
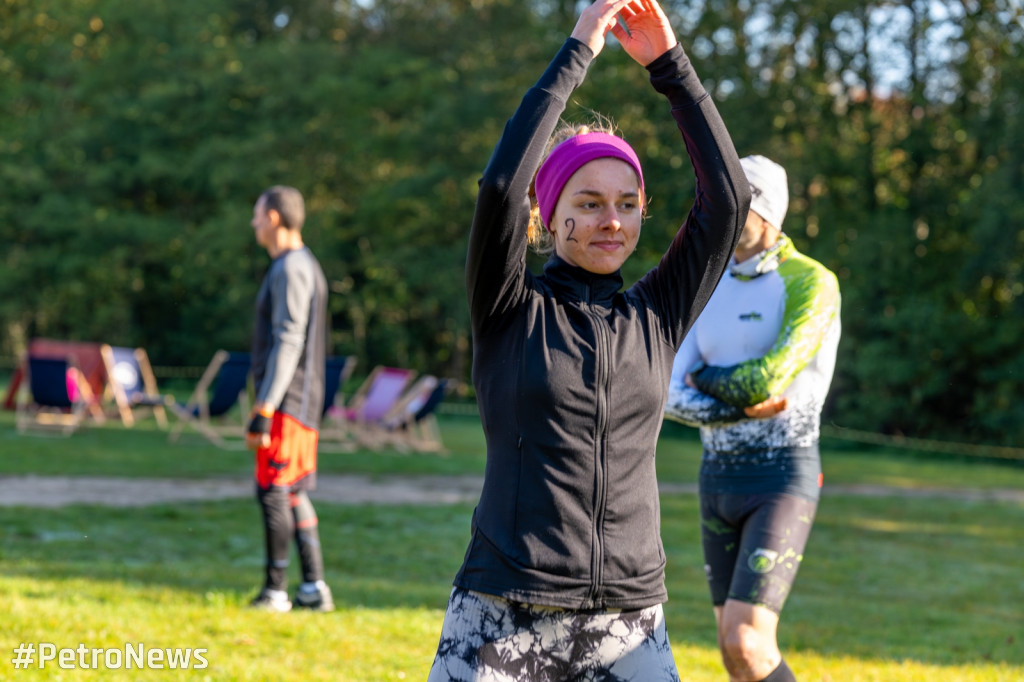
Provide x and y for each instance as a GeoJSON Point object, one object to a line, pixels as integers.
{"type": "Point", "coordinates": [812, 304]}
{"type": "Point", "coordinates": [496, 262]}
{"type": "Point", "coordinates": [680, 286]}
{"type": "Point", "coordinates": [691, 407]}
{"type": "Point", "coordinates": [687, 405]}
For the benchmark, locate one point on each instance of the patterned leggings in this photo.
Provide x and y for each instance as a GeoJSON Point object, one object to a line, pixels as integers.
{"type": "Point", "coordinates": [489, 639]}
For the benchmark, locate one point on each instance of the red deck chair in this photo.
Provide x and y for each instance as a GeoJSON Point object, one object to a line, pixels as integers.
{"type": "Point", "coordinates": [57, 397]}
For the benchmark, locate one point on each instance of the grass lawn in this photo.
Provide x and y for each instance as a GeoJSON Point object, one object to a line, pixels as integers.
{"type": "Point", "coordinates": [893, 588]}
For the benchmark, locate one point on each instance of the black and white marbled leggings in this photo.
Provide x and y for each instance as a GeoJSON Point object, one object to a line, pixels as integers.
{"type": "Point", "coordinates": [489, 639]}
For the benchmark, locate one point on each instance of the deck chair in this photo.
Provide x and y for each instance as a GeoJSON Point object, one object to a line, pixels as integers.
{"type": "Point", "coordinates": [412, 424]}
{"type": "Point", "coordinates": [339, 369]}
{"type": "Point", "coordinates": [221, 387]}
{"type": "Point", "coordinates": [423, 432]}
{"type": "Point", "coordinates": [56, 398]}
{"type": "Point", "coordinates": [131, 384]}
{"type": "Point", "coordinates": [334, 432]}
{"type": "Point", "coordinates": [373, 401]}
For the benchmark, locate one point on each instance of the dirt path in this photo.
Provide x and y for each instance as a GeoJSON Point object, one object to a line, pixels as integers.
{"type": "Point", "coordinates": [57, 491]}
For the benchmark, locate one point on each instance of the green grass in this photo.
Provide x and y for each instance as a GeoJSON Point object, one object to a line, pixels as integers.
{"type": "Point", "coordinates": [893, 588]}
{"type": "Point", "coordinates": [144, 451]}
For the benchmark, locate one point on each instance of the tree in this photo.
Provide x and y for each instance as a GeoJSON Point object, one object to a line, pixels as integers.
{"type": "Point", "coordinates": [135, 137]}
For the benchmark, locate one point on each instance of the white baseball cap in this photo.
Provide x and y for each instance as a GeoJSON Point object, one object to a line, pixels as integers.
{"type": "Point", "coordinates": [769, 192]}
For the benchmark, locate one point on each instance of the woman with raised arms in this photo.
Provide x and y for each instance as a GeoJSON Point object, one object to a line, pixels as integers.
{"type": "Point", "coordinates": [564, 575]}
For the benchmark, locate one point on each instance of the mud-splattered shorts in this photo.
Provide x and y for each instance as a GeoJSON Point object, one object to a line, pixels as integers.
{"type": "Point", "coordinates": [753, 545]}
{"type": "Point", "coordinates": [489, 639]}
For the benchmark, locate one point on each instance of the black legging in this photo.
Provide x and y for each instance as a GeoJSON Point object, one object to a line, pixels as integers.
{"type": "Point", "coordinates": [286, 515]}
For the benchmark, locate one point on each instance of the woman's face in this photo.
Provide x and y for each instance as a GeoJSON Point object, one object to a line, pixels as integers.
{"type": "Point", "coordinates": [596, 222]}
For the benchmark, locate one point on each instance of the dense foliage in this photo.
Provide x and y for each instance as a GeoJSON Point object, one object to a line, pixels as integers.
{"type": "Point", "coordinates": [134, 138]}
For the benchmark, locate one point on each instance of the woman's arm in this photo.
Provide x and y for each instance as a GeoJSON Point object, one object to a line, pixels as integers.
{"type": "Point", "coordinates": [690, 270]}
{"type": "Point", "coordinates": [496, 262]}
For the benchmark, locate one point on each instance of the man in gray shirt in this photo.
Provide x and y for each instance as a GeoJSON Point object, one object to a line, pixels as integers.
{"type": "Point", "coordinates": [289, 349]}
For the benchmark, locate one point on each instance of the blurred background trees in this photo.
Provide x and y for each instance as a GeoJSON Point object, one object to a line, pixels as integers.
{"type": "Point", "coordinates": [135, 137]}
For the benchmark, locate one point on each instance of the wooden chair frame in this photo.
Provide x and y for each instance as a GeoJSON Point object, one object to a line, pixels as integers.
{"type": "Point", "coordinates": [125, 404]}
{"type": "Point", "coordinates": [64, 420]}
{"type": "Point", "coordinates": [364, 416]}
{"type": "Point", "coordinates": [196, 412]}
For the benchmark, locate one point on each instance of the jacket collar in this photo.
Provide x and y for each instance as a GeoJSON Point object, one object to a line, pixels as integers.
{"type": "Point", "coordinates": [764, 262]}
{"type": "Point", "coordinates": [576, 284]}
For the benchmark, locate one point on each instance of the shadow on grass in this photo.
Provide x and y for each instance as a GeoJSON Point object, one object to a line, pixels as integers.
{"type": "Point", "coordinates": [375, 556]}
{"type": "Point", "coordinates": [928, 580]}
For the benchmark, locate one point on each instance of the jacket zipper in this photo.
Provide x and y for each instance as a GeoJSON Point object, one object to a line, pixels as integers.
{"type": "Point", "coordinates": [601, 417]}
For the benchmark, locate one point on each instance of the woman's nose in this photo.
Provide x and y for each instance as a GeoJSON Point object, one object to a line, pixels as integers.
{"type": "Point", "coordinates": [610, 219]}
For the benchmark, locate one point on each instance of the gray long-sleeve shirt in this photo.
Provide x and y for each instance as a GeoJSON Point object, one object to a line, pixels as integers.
{"type": "Point", "coordinates": [289, 345]}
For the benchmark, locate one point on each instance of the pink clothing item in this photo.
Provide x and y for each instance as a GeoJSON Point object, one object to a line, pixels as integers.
{"type": "Point", "coordinates": [71, 380]}
{"type": "Point", "coordinates": [568, 157]}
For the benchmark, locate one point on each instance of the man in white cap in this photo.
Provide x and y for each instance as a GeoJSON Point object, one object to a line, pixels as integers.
{"type": "Point", "coordinates": [752, 374]}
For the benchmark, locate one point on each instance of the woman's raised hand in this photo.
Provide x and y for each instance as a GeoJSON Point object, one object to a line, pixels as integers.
{"type": "Point", "coordinates": [595, 21]}
{"type": "Point", "coordinates": [647, 33]}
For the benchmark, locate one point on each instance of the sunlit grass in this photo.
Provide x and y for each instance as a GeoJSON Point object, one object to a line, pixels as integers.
{"type": "Point", "coordinates": [354, 643]}
{"type": "Point", "coordinates": [892, 589]}
{"type": "Point", "coordinates": [870, 605]}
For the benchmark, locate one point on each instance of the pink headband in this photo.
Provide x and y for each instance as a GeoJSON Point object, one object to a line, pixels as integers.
{"type": "Point", "coordinates": [568, 157]}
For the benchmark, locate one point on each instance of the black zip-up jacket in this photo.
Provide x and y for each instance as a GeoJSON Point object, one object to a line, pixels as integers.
{"type": "Point", "coordinates": [572, 373]}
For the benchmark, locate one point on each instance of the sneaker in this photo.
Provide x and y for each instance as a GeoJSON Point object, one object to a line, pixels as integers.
{"type": "Point", "coordinates": [315, 596]}
{"type": "Point", "coordinates": [274, 601]}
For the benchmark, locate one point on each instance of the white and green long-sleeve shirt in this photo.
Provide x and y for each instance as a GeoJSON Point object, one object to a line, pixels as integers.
{"type": "Point", "coordinates": [771, 328]}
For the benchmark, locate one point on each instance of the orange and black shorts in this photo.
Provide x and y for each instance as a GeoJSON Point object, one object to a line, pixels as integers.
{"type": "Point", "coordinates": [290, 459]}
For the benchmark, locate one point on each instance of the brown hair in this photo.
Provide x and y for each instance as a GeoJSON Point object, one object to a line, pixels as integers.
{"type": "Point", "coordinates": [287, 201]}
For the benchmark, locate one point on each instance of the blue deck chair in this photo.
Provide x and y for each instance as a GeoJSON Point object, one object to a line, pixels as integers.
{"type": "Point", "coordinates": [131, 384]}
{"type": "Point", "coordinates": [56, 398]}
{"type": "Point", "coordinates": [425, 429]}
{"type": "Point", "coordinates": [339, 369]}
{"type": "Point", "coordinates": [221, 387]}
{"type": "Point", "coordinates": [334, 432]}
